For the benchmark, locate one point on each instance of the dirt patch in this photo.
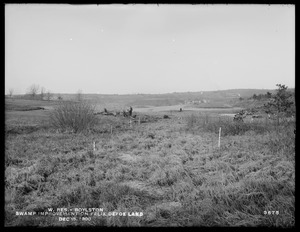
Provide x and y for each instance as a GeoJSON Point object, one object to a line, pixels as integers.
{"type": "Point", "coordinates": [32, 108]}
{"type": "Point", "coordinates": [23, 108]}
{"type": "Point", "coordinates": [21, 129]}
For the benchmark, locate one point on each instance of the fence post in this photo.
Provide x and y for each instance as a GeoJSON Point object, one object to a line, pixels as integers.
{"type": "Point", "coordinates": [219, 138]}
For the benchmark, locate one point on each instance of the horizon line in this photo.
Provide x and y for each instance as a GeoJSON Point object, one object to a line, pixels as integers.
{"type": "Point", "coordinates": [158, 93]}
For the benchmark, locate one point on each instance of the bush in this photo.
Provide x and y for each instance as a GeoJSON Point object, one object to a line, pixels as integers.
{"type": "Point", "coordinates": [75, 116]}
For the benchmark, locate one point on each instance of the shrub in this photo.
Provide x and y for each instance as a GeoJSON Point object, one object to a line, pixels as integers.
{"type": "Point", "coordinates": [282, 103]}
{"type": "Point", "coordinates": [75, 116]}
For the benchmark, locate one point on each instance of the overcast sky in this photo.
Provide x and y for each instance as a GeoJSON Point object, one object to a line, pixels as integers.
{"type": "Point", "coordinates": [127, 49]}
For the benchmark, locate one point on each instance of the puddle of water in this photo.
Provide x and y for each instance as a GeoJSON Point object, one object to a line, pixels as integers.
{"type": "Point", "coordinates": [177, 107]}
{"type": "Point", "coordinates": [228, 115]}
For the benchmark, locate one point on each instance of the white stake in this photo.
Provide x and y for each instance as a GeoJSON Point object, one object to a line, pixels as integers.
{"type": "Point", "coordinates": [130, 122]}
{"type": "Point", "coordinates": [219, 137]}
{"type": "Point", "coordinates": [94, 146]}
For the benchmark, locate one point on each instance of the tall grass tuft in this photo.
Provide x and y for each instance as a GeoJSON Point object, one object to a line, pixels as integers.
{"type": "Point", "coordinates": [205, 123]}
{"type": "Point", "coordinates": [74, 116]}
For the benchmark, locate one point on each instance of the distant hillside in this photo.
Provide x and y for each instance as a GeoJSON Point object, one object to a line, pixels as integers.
{"type": "Point", "coordinates": [221, 98]}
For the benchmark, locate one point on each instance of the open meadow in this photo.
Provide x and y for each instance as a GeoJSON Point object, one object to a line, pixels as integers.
{"type": "Point", "coordinates": [163, 171]}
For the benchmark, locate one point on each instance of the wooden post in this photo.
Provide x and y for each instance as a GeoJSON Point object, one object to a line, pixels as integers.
{"type": "Point", "coordinates": [110, 129]}
{"type": "Point", "coordinates": [139, 120]}
{"type": "Point", "coordinates": [219, 138]}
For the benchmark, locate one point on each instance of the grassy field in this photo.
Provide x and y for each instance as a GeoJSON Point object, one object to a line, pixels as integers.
{"type": "Point", "coordinates": [166, 172]}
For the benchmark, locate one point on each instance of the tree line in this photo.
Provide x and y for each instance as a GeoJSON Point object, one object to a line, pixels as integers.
{"type": "Point", "coordinates": [35, 92]}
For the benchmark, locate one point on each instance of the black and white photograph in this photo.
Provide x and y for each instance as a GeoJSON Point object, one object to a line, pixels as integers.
{"type": "Point", "coordinates": [149, 115]}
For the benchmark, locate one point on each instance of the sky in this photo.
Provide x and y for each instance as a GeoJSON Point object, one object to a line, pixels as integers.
{"type": "Point", "coordinates": [130, 49]}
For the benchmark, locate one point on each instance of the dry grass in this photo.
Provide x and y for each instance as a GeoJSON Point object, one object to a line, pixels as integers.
{"type": "Point", "coordinates": [209, 123]}
{"type": "Point", "coordinates": [175, 174]}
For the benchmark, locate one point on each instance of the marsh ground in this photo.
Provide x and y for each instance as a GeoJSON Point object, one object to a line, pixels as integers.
{"type": "Point", "coordinates": [171, 170]}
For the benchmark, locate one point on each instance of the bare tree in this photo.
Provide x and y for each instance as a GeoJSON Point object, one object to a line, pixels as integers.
{"type": "Point", "coordinates": [42, 93]}
{"type": "Point", "coordinates": [10, 92]}
{"type": "Point", "coordinates": [49, 95]}
{"type": "Point", "coordinates": [33, 90]}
